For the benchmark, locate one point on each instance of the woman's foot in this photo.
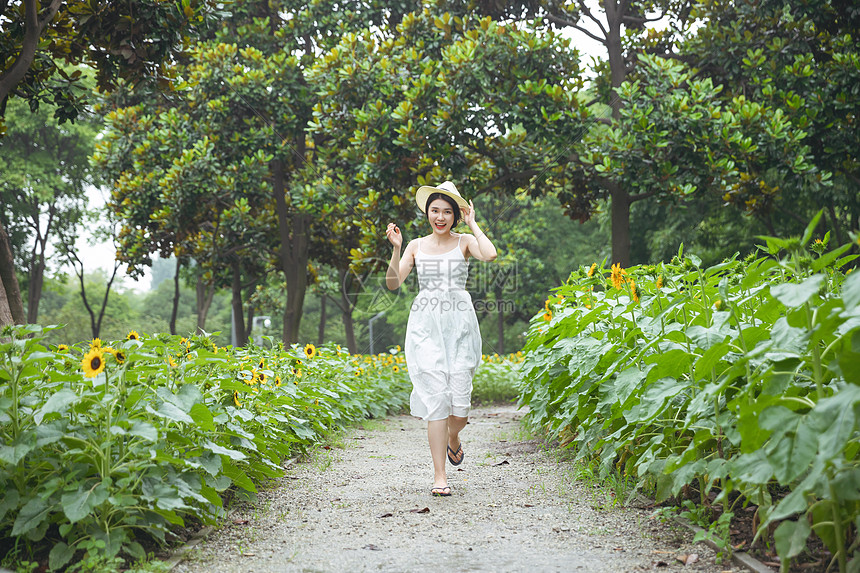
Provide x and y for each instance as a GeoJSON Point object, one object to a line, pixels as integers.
{"type": "Point", "coordinates": [455, 456]}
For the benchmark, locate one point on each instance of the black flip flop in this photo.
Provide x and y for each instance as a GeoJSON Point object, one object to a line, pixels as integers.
{"type": "Point", "coordinates": [440, 491]}
{"type": "Point", "coordinates": [452, 455]}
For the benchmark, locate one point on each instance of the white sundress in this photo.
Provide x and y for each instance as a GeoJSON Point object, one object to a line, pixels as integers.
{"type": "Point", "coordinates": [443, 342]}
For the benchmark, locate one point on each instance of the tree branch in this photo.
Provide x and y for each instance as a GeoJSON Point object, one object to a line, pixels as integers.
{"type": "Point", "coordinates": [564, 22]}
{"type": "Point", "coordinates": [636, 20]}
{"type": "Point", "coordinates": [587, 11]}
{"type": "Point", "coordinates": [33, 28]}
{"type": "Point", "coordinates": [641, 196]}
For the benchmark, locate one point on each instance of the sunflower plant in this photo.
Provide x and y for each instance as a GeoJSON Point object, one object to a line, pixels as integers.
{"type": "Point", "coordinates": [739, 382]}
{"type": "Point", "coordinates": [151, 431]}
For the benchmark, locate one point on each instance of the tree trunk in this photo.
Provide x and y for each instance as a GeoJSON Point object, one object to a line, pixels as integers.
{"type": "Point", "coordinates": [34, 288]}
{"type": "Point", "coordinates": [98, 325]}
{"type": "Point", "coordinates": [349, 328]}
{"type": "Point", "coordinates": [5, 313]}
{"type": "Point", "coordinates": [293, 254]}
{"type": "Point", "coordinates": [620, 225]}
{"type": "Point", "coordinates": [618, 73]}
{"type": "Point", "coordinates": [238, 315]}
{"type": "Point", "coordinates": [501, 321]}
{"type": "Point", "coordinates": [33, 28]}
{"type": "Point", "coordinates": [9, 282]}
{"type": "Point", "coordinates": [205, 294]}
{"type": "Point", "coordinates": [321, 331]}
{"type": "Point", "coordinates": [175, 310]}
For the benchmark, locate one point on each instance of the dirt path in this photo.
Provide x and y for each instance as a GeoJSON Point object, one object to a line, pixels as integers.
{"type": "Point", "coordinates": [365, 505]}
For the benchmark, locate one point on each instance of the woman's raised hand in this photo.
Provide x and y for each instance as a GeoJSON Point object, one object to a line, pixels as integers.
{"type": "Point", "coordinates": [393, 235]}
{"type": "Point", "coordinates": [469, 213]}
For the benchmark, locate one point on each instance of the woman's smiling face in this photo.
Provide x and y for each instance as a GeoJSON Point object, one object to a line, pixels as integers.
{"type": "Point", "coordinates": [441, 216]}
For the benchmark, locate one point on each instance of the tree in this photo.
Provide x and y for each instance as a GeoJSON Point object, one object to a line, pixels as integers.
{"type": "Point", "coordinates": [37, 40]}
{"type": "Point", "coordinates": [46, 171]}
{"type": "Point", "coordinates": [441, 97]}
{"type": "Point", "coordinates": [802, 59]}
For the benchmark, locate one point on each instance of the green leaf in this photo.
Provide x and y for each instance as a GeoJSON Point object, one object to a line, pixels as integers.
{"type": "Point", "coordinates": [172, 412]}
{"type": "Point", "coordinates": [58, 402]}
{"type": "Point", "coordinates": [201, 414]}
{"type": "Point", "coordinates": [239, 477]}
{"type": "Point", "coordinates": [77, 505]}
{"type": "Point", "coordinates": [8, 501]}
{"type": "Point", "coordinates": [827, 259]}
{"type": "Point", "coordinates": [145, 430]}
{"type": "Point", "coordinates": [232, 454]}
{"type": "Point", "coordinates": [791, 536]}
{"type": "Point", "coordinates": [807, 234]}
{"type": "Point", "coordinates": [793, 294]}
{"type": "Point", "coordinates": [31, 516]}
{"type": "Point", "coordinates": [60, 554]}
{"type": "Point", "coordinates": [627, 381]}
{"type": "Point", "coordinates": [791, 454]}
{"type": "Point", "coordinates": [851, 290]}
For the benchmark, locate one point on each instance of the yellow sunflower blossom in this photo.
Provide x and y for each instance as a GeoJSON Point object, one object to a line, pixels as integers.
{"type": "Point", "coordinates": [93, 363]}
{"type": "Point", "coordinates": [277, 381]}
{"type": "Point", "coordinates": [592, 269]}
{"type": "Point", "coordinates": [359, 371]}
{"type": "Point", "coordinates": [660, 281]}
{"type": "Point", "coordinates": [395, 369]}
{"type": "Point", "coordinates": [132, 335]}
{"type": "Point", "coordinates": [236, 399]}
{"type": "Point", "coordinates": [547, 316]}
{"type": "Point", "coordinates": [62, 348]}
{"type": "Point", "coordinates": [96, 343]}
{"type": "Point", "coordinates": [171, 361]}
{"type": "Point", "coordinates": [310, 350]}
{"type": "Point", "coordinates": [634, 292]}
{"type": "Point", "coordinates": [617, 276]}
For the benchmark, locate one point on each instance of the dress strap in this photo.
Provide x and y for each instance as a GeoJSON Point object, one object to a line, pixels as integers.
{"type": "Point", "coordinates": [458, 239]}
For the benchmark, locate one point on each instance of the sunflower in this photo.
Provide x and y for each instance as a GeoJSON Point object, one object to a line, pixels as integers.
{"type": "Point", "coordinates": [96, 343]}
{"type": "Point", "coordinates": [718, 304]}
{"type": "Point", "coordinates": [310, 351]}
{"type": "Point", "coordinates": [171, 361]}
{"type": "Point", "coordinates": [93, 363]}
{"type": "Point", "coordinates": [617, 275]}
{"type": "Point", "coordinates": [62, 348]}
{"type": "Point", "coordinates": [132, 335]}
{"type": "Point", "coordinates": [262, 364]}
{"type": "Point", "coordinates": [592, 269]}
{"type": "Point", "coordinates": [236, 399]}
{"type": "Point", "coordinates": [547, 316]}
{"type": "Point", "coordinates": [119, 355]}
{"type": "Point", "coordinates": [634, 292]}
{"type": "Point", "coordinates": [396, 369]}
{"type": "Point", "coordinates": [660, 281]}
{"type": "Point", "coordinates": [359, 371]}
{"type": "Point", "coordinates": [277, 381]}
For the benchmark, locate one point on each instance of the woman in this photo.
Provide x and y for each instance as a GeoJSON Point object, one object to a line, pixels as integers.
{"type": "Point", "coordinates": [443, 343]}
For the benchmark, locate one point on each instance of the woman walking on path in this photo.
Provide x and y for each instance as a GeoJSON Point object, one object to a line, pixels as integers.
{"type": "Point", "coordinates": [443, 342]}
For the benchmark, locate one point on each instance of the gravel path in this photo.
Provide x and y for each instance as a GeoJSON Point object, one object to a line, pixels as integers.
{"type": "Point", "coordinates": [365, 505]}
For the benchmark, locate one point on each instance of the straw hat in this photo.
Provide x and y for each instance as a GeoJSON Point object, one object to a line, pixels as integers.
{"type": "Point", "coordinates": [446, 188]}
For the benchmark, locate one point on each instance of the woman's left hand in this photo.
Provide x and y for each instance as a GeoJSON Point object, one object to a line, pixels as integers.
{"type": "Point", "coordinates": [469, 213]}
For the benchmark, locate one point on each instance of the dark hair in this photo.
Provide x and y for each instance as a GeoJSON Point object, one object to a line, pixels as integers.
{"type": "Point", "coordinates": [454, 206]}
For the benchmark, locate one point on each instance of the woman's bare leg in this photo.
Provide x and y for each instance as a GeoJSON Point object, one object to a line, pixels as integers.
{"type": "Point", "coordinates": [437, 434]}
{"type": "Point", "coordinates": [455, 426]}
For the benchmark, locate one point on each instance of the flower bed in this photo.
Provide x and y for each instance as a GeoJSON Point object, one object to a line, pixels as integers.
{"type": "Point", "coordinates": [737, 384]}
{"type": "Point", "coordinates": [105, 446]}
